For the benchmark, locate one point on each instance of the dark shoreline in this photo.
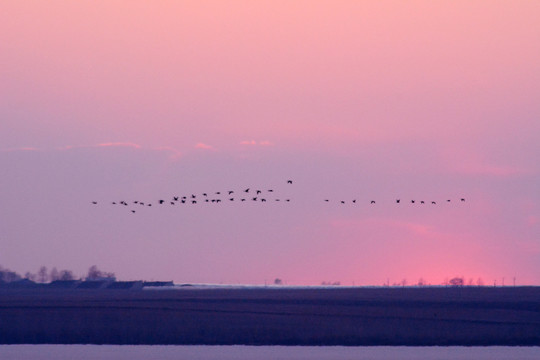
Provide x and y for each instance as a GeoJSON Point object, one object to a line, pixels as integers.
{"type": "Point", "coordinates": [468, 316]}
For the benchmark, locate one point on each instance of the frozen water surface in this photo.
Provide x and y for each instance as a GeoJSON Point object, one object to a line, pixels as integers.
{"type": "Point", "coordinates": [121, 352]}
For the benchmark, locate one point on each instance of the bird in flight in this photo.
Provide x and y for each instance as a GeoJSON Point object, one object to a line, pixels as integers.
{"type": "Point", "coordinates": [193, 199]}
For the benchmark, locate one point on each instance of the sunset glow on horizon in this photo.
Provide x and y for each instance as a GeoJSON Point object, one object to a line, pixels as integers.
{"type": "Point", "coordinates": [353, 100]}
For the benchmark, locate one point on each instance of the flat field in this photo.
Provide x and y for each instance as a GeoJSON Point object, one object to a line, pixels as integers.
{"type": "Point", "coordinates": [273, 316]}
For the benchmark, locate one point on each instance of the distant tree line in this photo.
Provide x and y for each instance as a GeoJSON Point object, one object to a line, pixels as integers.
{"type": "Point", "coordinates": [43, 275]}
{"type": "Point", "coordinates": [455, 281]}
{"type": "Point", "coordinates": [7, 275]}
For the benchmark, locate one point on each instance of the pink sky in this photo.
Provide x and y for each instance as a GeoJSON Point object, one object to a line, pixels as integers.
{"type": "Point", "coordinates": [378, 100]}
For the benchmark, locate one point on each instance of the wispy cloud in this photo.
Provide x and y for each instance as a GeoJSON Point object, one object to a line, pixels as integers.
{"type": "Point", "coordinates": [471, 168]}
{"type": "Point", "coordinates": [470, 162]}
{"type": "Point", "coordinates": [416, 229]}
{"type": "Point", "coordinates": [533, 220]}
{"type": "Point", "coordinates": [254, 142]}
{"type": "Point", "coordinates": [175, 154]}
{"type": "Point", "coordinates": [19, 149]}
{"type": "Point", "coordinates": [204, 146]}
{"type": "Point", "coordinates": [119, 144]}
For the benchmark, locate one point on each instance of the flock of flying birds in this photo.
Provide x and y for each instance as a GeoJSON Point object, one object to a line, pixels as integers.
{"type": "Point", "coordinates": [248, 194]}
